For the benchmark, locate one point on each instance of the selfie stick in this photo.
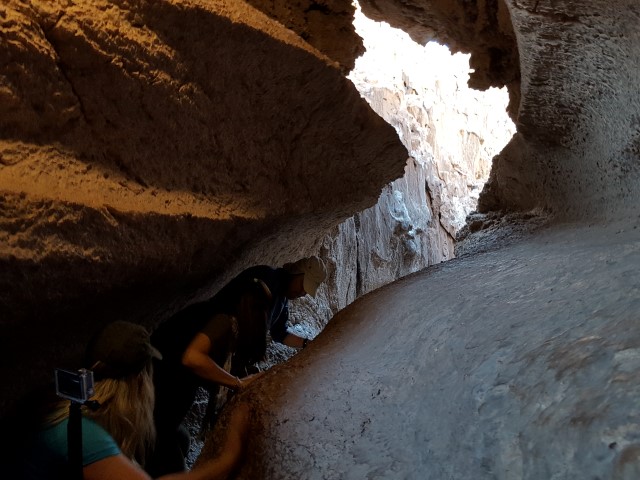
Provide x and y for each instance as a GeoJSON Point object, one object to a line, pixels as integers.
{"type": "Point", "coordinates": [74, 438]}
{"type": "Point", "coordinates": [76, 387]}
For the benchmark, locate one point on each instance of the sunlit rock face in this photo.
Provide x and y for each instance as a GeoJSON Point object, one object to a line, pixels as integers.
{"type": "Point", "coordinates": [481, 28]}
{"type": "Point", "coordinates": [571, 69]}
{"type": "Point", "coordinates": [451, 132]}
{"type": "Point", "coordinates": [148, 146]}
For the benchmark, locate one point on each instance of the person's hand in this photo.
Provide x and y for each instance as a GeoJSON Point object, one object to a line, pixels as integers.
{"type": "Point", "coordinates": [245, 381]}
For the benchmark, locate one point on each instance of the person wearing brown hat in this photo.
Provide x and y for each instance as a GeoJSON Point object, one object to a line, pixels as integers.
{"type": "Point", "coordinates": [119, 350]}
{"type": "Point", "coordinates": [293, 280]}
{"type": "Point", "coordinates": [116, 434]}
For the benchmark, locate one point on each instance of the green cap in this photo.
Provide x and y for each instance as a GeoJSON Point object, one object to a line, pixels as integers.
{"type": "Point", "coordinates": [120, 349]}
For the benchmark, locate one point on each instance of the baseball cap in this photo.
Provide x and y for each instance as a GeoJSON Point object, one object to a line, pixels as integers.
{"type": "Point", "coordinates": [120, 349]}
{"type": "Point", "coordinates": [314, 273]}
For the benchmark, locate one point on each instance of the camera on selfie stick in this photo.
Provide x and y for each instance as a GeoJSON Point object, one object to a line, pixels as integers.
{"type": "Point", "coordinates": [76, 386]}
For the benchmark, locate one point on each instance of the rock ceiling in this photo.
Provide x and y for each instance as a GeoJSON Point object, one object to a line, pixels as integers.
{"type": "Point", "coordinates": [157, 139]}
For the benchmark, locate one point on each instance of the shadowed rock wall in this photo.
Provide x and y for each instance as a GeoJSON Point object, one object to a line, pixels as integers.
{"type": "Point", "coordinates": [326, 24]}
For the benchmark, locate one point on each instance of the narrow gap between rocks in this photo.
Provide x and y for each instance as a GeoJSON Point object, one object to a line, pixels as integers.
{"type": "Point", "coordinates": [451, 133]}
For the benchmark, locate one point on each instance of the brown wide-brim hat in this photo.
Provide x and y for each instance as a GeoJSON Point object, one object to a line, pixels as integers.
{"type": "Point", "coordinates": [313, 270]}
{"type": "Point", "coordinates": [119, 350]}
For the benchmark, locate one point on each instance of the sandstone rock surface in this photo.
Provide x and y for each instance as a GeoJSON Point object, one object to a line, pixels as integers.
{"type": "Point", "coordinates": [572, 71]}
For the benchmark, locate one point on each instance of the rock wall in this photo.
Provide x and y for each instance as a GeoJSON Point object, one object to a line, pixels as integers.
{"type": "Point", "coordinates": [452, 133]}
{"type": "Point", "coordinates": [482, 28]}
{"type": "Point", "coordinates": [327, 25]}
{"type": "Point", "coordinates": [521, 363]}
{"type": "Point", "coordinates": [150, 148]}
{"type": "Point", "coordinates": [577, 152]}
{"type": "Point", "coordinates": [571, 69]}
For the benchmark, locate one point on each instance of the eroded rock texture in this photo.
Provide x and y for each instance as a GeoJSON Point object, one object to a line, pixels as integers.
{"type": "Point", "coordinates": [327, 25]}
{"type": "Point", "coordinates": [483, 28]}
{"type": "Point", "coordinates": [147, 143]}
{"type": "Point", "coordinates": [577, 152]}
{"type": "Point", "coordinates": [451, 132]}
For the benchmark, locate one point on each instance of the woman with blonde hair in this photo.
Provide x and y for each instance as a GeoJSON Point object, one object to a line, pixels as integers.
{"type": "Point", "coordinates": [117, 434]}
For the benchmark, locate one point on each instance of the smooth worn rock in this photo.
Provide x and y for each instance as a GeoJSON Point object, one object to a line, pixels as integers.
{"type": "Point", "coordinates": [516, 363]}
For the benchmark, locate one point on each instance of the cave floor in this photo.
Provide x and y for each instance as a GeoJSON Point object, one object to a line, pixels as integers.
{"type": "Point", "coordinates": [520, 362]}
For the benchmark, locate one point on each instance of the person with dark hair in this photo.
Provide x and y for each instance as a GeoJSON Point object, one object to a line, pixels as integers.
{"type": "Point", "coordinates": [117, 432]}
{"type": "Point", "coordinates": [198, 345]}
{"type": "Point", "coordinates": [293, 280]}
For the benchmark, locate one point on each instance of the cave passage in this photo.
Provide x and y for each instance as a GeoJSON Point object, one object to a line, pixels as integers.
{"type": "Point", "coordinates": [449, 129]}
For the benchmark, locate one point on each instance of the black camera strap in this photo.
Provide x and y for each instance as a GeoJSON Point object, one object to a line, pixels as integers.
{"type": "Point", "coordinates": [74, 440]}
{"type": "Point", "coordinates": [74, 437]}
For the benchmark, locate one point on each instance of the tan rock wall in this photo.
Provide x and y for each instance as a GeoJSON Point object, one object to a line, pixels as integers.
{"type": "Point", "coordinates": [149, 147]}
{"type": "Point", "coordinates": [185, 112]}
{"type": "Point", "coordinates": [326, 24]}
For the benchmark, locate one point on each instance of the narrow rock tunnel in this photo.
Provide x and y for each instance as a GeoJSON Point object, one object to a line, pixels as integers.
{"type": "Point", "coordinates": [149, 151]}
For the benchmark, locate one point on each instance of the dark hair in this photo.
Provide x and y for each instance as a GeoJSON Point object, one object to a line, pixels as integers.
{"type": "Point", "coordinates": [252, 313]}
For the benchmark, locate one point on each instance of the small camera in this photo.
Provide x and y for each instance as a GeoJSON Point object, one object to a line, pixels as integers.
{"type": "Point", "coordinates": [75, 386]}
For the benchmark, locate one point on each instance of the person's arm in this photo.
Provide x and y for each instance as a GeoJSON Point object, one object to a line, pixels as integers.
{"type": "Point", "coordinates": [120, 467]}
{"type": "Point", "coordinates": [196, 358]}
{"type": "Point", "coordinates": [115, 466]}
{"type": "Point", "coordinates": [218, 468]}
